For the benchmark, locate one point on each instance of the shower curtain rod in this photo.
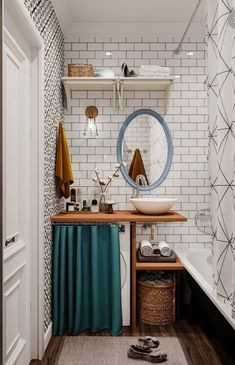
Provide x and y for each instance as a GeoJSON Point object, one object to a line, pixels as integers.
{"type": "Point", "coordinates": [92, 223]}
{"type": "Point", "coordinates": [178, 49]}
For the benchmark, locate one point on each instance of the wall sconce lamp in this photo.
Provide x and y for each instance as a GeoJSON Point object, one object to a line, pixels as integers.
{"type": "Point", "coordinates": [90, 129]}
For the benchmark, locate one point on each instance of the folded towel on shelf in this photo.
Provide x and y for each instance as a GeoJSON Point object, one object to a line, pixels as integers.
{"type": "Point", "coordinates": [164, 248]}
{"type": "Point", "coordinates": [154, 70]}
{"type": "Point", "coordinates": [156, 257]}
{"type": "Point", "coordinates": [153, 74]}
{"type": "Point", "coordinates": [146, 248]}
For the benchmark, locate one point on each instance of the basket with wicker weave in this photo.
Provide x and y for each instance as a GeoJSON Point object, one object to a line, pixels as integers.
{"type": "Point", "coordinates": [79, 70]}
{"type": "Point", "coordinates": [156, 302]}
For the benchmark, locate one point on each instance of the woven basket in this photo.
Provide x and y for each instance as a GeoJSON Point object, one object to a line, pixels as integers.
{"type": "Point", "coordinates": [156, 303]}
{"type": "Point", "coordinates": [80, 70]}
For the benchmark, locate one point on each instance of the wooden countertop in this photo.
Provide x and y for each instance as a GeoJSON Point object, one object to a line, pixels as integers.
{"type": "Point", "coordinates": [117, 216]}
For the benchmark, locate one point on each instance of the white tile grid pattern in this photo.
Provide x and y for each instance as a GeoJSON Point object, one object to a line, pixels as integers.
{"type": "Point", "coordinates": [186, 117]}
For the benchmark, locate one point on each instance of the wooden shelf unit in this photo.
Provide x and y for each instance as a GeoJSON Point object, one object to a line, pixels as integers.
{"type": "Point", "coordinates": [160, 265]}
{"type": "Point", "coordinates": [137, 266]}
{"type": "Point", "coordinates": [133, 217]}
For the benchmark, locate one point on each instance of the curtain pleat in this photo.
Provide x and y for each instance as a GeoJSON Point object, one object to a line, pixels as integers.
{"type": "Point", "coordinates": [221, 113]}
{"type": "Point", "coordinates": [86, 279]}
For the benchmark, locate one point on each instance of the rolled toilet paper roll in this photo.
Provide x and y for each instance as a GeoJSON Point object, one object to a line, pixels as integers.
{"type": "Point", "coordinates": [146, 248]}
{"type": "Point", "coordinates": [164, 248]}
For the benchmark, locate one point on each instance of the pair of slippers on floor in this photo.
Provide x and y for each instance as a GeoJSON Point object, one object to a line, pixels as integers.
{"type": "Point", "coordinates": [145, 349]}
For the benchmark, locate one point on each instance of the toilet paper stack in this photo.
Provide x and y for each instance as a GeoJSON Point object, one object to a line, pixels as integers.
{"type": "Point", "coordinates": [148, 249]}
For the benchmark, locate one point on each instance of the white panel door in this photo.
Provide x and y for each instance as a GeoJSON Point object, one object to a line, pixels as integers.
{"type": "Point", "coordinates": [16, 194]}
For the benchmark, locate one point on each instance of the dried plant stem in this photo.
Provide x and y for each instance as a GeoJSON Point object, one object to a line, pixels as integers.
{"type": "Point", "coordinates": [103, 187]}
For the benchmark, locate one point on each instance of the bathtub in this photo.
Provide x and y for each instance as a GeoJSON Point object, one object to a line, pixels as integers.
{"type": "Point", "coordinates": [198, 263]}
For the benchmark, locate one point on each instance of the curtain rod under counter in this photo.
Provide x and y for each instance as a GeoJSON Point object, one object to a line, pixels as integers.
{"type": "Point", "coordinates": [83, 223]}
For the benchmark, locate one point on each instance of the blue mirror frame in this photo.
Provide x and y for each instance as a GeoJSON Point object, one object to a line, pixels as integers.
{"type": "Point", "coordinates": [120, 141]}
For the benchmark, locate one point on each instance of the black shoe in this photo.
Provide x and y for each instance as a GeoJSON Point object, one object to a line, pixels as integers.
{"type": "Point", "coordinates": [125, 70]}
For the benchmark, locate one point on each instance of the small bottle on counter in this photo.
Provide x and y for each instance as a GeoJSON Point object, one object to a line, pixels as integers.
{"type": "Point", "coordinates": [73, 195]}
{"type": "Point", "coordinates": [94, 206]}
{"type": "Point", "coordinates": [77, 207]}
{"type": "Point", "coordinates": [69, 207]}
{"type": "Point", "coordinates": [84, 205]}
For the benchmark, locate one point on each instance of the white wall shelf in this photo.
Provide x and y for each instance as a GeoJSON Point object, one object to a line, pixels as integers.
{"type": "Point", "coordinates": [144, 84]}
{"type": "Point", "coordinates": [89, 83]}
{"type": "Point", "coordinates": [117, 85]}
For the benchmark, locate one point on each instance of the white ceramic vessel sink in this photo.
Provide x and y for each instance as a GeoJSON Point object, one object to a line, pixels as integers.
{"type": "Point", "coordinates": [153, 205]}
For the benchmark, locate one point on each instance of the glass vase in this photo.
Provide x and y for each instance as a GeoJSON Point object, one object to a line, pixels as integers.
{"type": "Point", "coordinates": [102, 201]}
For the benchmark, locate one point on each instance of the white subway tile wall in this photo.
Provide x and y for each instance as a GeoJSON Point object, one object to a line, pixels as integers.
{"type": "Point", "coordinates": [186, 117]}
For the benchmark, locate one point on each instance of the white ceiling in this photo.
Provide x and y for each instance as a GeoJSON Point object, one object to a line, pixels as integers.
{"type": "Point", "coordinates": [133, 10]}
{"type": "Point", "coordinates": [75, 13]}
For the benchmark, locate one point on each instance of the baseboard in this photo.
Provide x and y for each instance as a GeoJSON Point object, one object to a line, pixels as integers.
{"type": "Point", "coordinates": [47, 336]}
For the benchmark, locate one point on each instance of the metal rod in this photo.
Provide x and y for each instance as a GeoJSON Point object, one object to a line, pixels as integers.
{"type": "Point", "coordinates": [178, 49]}
{"type": "Point", "coordinates": [83, 223]}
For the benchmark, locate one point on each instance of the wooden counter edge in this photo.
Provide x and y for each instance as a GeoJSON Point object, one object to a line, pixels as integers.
{"type": "Point", "coordinates": [117, 216]}
{"type": "Point", "coordinates": [177, 266]}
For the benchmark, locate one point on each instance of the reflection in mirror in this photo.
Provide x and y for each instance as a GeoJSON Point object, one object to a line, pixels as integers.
{"type": "Point", "coordinates": [145, 148]}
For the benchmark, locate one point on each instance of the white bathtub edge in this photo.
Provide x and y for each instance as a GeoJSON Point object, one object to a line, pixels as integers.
{"type": "Point", "coordinates": [205, 286]}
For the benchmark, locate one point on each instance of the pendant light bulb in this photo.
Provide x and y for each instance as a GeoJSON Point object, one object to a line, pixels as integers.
{"type": "Point", "coordinates": [90, 126]}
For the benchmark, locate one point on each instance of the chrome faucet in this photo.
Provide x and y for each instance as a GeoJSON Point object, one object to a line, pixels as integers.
{"type": "Point", "coordinates": [142, 179]}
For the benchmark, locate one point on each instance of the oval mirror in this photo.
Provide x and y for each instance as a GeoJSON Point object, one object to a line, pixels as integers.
{"type": "Point", "coordinates": [145, 145]}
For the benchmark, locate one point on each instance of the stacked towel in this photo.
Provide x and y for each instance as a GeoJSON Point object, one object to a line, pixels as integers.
{"type": "Point", "coordinates": [146, 248]}
{"type": "Point", "coordinates": [164, 248]}
{"type": "Point", "coordinates": [156, 257]}
{"type": "Point", "coordinates": [154, 70]}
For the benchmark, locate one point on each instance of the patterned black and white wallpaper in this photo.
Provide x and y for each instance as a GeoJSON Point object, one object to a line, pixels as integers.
{"type": "Point", "coordinates": [48, 25]}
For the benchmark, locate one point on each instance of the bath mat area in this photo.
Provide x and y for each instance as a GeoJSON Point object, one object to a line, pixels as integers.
{"type": "Point", "coordinates": [96, 350]}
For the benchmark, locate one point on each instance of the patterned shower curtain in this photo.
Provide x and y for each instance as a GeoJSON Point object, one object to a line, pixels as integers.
{"type": "Point", "coordinates": [220, 38]}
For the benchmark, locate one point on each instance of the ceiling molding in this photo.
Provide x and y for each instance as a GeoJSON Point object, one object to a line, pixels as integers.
{"type": "Point", "coordinates": [63, 14]}
{"type": "Point", "coordinates": [71, 28]}
{"type": "Point", "coordinates": [138, 29]}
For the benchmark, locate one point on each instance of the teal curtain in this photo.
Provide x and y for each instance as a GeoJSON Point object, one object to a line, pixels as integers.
{"type": "Point", "coordinates": [86, 279]}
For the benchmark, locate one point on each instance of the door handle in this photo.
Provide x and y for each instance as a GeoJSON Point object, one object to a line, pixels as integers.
{"type": "Point", "coordinates": [11, 239]}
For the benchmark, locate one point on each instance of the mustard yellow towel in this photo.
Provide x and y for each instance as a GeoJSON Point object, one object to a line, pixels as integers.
{"type": "Point", "coordinates": [63, 173]}
{"type": "Point", "coordinates": [137, 166]}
